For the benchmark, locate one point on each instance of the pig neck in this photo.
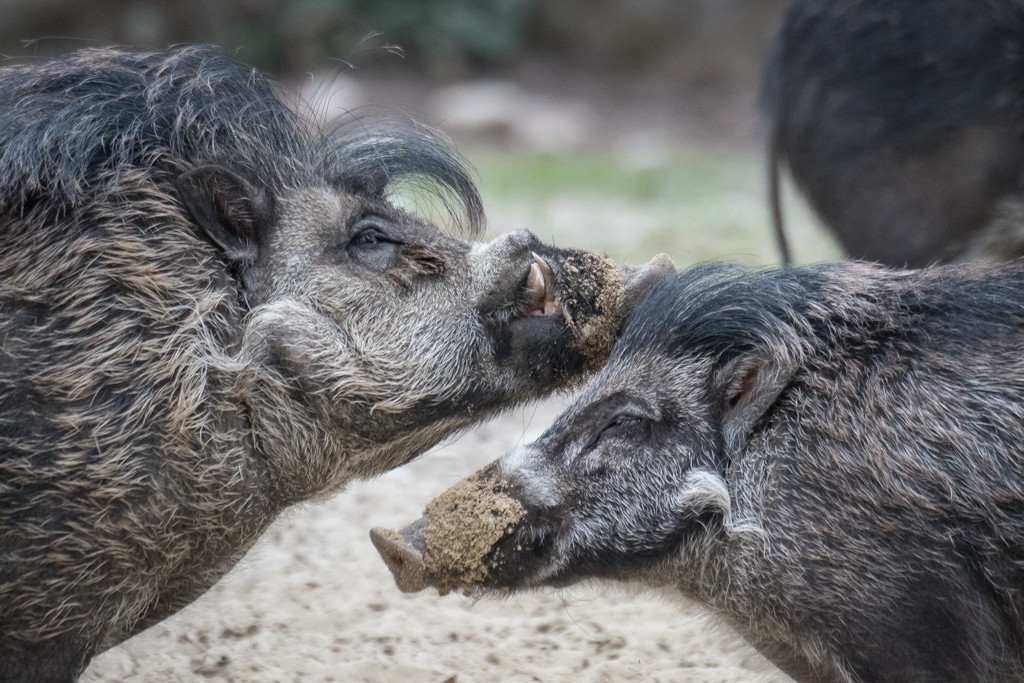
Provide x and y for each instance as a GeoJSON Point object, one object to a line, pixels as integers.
{"type": "Point", "coordinates": [209, 501]}
{"type": "Point", "coordinates": [309, 456]}
{"type": "Point", "coordinates": [716, 567]}
{"type": "Point", "coordinates": [733, 570]}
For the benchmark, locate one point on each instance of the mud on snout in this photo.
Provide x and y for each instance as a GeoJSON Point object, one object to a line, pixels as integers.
{"type": "Point", "coordinates": [460, 543]}
{"type": "Point", "coordinates": [591, 293]}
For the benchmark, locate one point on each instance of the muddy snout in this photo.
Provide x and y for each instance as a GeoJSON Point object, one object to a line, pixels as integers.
{"type": "Point", "coordinates": [596, 296]}
{"type": "Point", "coordinates": [452, 547]}
{"type": "Point", "coordinates": [590, 284]}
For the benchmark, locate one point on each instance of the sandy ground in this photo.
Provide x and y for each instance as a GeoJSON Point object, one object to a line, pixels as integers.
{"type": "Point", "coordinates": [313, 602]}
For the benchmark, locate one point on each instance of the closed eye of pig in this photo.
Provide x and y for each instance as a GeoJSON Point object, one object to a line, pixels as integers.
{"type": "Point", "coordinates": [211, 308]}
{"type": "Point", "coordinates": [828, 458]}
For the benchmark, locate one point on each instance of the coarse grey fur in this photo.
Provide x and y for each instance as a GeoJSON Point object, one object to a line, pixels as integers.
{"type": "Point", "coordinates": [901, 122]}
{"type": "Point", "coordinates": [210, 310]}
{"type": "Point", "coordinates": [830, 458]}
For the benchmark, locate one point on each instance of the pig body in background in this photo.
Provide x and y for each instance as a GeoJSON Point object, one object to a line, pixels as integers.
{"type": "Point", "coordinates": [900, 121]}
{"type": "Point", "coordinates": [210, 310]}
{"type": "Point", "coordinates": [829, 458]}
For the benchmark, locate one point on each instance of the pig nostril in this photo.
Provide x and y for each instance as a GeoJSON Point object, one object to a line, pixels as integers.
{"type": "Point", "coordinates": [403, 559]}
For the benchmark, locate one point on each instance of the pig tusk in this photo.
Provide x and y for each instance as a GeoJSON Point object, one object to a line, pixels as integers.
{"type": "Point", "coordinates": [541, 285]}
{"type": "Point", "coordinates": [535, 287]}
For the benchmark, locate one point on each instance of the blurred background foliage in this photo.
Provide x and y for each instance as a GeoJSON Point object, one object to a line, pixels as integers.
{"type": "Point", "coordinates": [443, 38]}
{"type": "Point", "coordinates": [630, 126]}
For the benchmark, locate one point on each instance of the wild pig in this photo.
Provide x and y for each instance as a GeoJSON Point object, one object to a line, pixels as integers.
{"type": "Point", "coordinates": [829, 458]}
{"type": "Point", "coordinates": [210, 309]}
{"type": "Point", "coordinates": [900, 122]}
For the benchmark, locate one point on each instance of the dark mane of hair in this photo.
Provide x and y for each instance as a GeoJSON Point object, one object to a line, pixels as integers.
{"type": "Point", "coordinates": [724, 309]}
{"type": "Point", "coordinates": [70, 124]}
{"type": "Point", "coordinates": [714, 308]}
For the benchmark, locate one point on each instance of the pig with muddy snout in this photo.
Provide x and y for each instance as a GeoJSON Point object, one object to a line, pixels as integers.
{"type": "Point", "coordinates": [829, 458]}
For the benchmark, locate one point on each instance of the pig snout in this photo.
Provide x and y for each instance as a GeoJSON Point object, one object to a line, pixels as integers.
{"type": "Point", "coordinates": [455, 545]}
{"type": "Point", "coordinates": [403, 552]}
{"type": "Point", "coordinates": [596, 297]}
{"type": "Point", "coordinates": [582, 286]}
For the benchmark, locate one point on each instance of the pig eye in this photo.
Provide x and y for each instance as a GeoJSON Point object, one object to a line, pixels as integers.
{"type": "Point", "coordinates": [372, 246]}
{"type": "Point", "coordinates": [369, 234]}
{"type": "Point", "coordinates": [622, 425]}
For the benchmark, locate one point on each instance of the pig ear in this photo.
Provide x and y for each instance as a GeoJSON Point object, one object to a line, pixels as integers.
{"type": "Point", "coordinates": [749, 385]}
{"type": "Point", "coordinates": [226, 207]}
{"type": "Point", "coordinates": [640, 280]}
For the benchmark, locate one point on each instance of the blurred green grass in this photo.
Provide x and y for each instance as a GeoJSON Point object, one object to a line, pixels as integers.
{"type": "Point", "coordinates": [694, 203]}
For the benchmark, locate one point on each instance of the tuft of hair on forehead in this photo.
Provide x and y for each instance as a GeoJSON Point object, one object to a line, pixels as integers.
{"type": "Point", "coordinates": [377, 152]}
{"type": "Point", "coordinates": [72, 123]}
{"type": "Point", "coordinates": [720, 309]}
